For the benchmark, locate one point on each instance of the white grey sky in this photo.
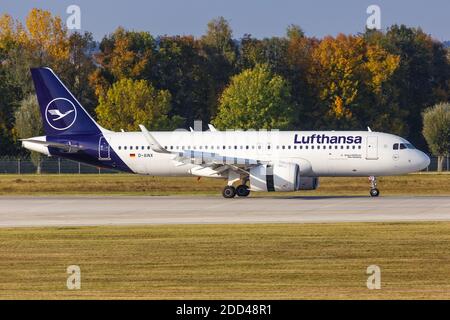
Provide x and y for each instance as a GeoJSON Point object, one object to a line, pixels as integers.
{"type": "Point", "coordinates": [261, 18]}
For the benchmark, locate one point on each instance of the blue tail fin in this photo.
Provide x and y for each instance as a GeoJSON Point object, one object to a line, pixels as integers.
{"type": "Point", "coordinates": [61, 112]}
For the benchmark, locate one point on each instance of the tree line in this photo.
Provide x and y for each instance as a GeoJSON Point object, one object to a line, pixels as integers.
{"type": "Point", "coordinates": [384, 80]}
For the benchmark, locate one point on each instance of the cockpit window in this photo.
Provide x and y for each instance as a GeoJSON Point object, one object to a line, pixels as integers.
{"type": "Point", "coordinates": [402, 146]}
{"type": "Point", "coordinates": [395, 147]}
{"type": "Point", "coordinates": [409, 146]}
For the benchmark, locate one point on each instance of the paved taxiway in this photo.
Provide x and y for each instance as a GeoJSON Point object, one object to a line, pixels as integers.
{"type": "Point", "coordinates": [90, 211]}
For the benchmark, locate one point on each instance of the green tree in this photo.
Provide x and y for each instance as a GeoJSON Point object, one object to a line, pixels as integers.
{"type": "Point", "coordinates": [129, 103]}
{"type": "Point", "coordinates": [421, 78]}
{"type": "Point", "coordinates": [219, 39]}
{"type": "Point", "coordinates": [183, 71]}
{"type": "Point", "coordinates": [294, 31]}
{"type": "Point", "coordinates": [255, 99]}
{"type": "Point", "coordinates": [220, 51]}
{"type": "Point", "coordinates": [436, 130]}
{"type": "Point", "coordinates": [78, 68]}
{"type": "Point", "coordinates": [28, 124]}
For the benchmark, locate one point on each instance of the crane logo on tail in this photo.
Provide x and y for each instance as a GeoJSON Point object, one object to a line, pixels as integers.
{"type": "Point", "coordinates": [60, 114]}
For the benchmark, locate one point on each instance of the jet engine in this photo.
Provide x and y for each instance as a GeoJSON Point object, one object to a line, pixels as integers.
{"type": "Point", "coordinates": [281, 176]}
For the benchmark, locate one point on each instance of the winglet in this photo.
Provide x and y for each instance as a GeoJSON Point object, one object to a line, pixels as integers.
{"type": "Point", "coordinates": [368, 129]}
{"type": "Point", "coordinates": [152, 141]}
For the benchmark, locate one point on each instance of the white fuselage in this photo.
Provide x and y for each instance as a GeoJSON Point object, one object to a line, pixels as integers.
{"type": "Point", "coordinates": [318, 153]}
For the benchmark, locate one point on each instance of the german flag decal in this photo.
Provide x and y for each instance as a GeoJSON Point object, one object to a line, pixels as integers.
{"type": "Point", "coordinates": [132, 155]}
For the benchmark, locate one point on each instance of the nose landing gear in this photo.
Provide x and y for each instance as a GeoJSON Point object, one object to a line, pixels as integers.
{"type": "Point", "coordinates": [374, 192]}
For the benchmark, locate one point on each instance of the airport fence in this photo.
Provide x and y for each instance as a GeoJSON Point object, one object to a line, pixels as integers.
{"type": "Point", "coordinates": [63, 166]}
{"type": "Point", "coordinates": [49, 166]}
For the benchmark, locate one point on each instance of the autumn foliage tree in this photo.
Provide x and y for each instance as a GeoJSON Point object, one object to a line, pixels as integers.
{"type": "Point", "coordinates": [381, 79]}
{"type": "Point", "coordinates": [349, 74]}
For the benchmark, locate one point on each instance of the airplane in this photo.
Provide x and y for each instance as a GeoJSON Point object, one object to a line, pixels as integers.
{"type": "Point", "coordinates": [249, 161]}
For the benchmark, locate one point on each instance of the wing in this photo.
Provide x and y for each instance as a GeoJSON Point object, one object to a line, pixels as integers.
{"type": "Point", "coordinates": [212, 162]}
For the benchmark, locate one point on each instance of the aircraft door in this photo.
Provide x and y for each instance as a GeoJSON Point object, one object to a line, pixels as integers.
{"type": "Point", "coordinates": [372, 148]}
{"type": "Point", "coordinates": [103, 149]}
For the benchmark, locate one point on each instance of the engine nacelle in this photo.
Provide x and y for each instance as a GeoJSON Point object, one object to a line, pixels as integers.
{"type": "Point", "coordinates": [309, 183]}
{"type": "Point", "coordinates": [282, 177]}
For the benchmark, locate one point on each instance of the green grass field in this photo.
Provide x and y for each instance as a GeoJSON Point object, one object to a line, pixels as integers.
{"type": "Point", "coordinates": [114, 184]}
{"type": "Point", "coordinates": [228, 261]}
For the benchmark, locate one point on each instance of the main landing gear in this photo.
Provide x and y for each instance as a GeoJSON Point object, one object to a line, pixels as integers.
{"type": "Point", "coordinates": [241, 190]}
{"type": "Point", "coordinates": [230, 191]}
{"type": "Point", "coordinates": [374, 192]}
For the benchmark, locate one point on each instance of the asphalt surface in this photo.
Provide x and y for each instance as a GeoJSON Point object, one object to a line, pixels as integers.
{"type": "Point", "coordinates": [92, 211]}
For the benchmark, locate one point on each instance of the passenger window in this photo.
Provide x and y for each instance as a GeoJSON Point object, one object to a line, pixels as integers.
{"type": "Point", "coordinates": [131, 147]}
{"type": "Point", "coordinates": [120, 148]}
{"type": "Point", "coordinates": [148, 147]}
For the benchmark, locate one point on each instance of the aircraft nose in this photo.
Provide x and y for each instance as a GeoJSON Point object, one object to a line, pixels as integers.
{"type": "Point", "coordinates": [424, 160]}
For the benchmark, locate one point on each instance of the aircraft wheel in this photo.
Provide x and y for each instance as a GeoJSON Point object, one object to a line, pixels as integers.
{"type": "Point", "coordinates": [229, 192]}
{"type": "Point", "coordinates": [374, 192]}
{"type": "Point", "coordinates": [242, 191]}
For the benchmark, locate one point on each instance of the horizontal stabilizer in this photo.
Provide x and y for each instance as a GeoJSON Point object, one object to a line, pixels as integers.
{"type": "Point", "coordinates": [68, 147]}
